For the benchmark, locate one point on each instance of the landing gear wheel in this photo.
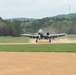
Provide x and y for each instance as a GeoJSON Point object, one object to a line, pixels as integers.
{"type": "Point", "coordinates": [50, 41]}
{"type": "Point", "coordinates": [36, 41]}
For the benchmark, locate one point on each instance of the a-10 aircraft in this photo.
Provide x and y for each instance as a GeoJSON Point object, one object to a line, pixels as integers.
{"type": "Point", "coordinates": [43, 35]}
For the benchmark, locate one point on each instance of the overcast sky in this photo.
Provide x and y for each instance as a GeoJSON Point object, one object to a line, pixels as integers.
{"type": "Point", "coordinates": [35, 8]}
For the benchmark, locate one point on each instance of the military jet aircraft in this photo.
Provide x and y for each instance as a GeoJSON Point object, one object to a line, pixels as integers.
{"type": "Point", "coordinates": [43, 35]}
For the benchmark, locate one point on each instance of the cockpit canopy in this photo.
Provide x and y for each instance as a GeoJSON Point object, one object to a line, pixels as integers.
{"type": "Point", "coordinates": [40, 31]}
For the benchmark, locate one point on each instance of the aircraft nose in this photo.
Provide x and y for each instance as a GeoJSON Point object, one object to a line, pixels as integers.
{"type": "Point", "coordinates": [40, 30]}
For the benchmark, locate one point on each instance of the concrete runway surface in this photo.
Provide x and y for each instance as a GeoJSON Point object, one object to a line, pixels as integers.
{"type": "Point", "coordinates": [37, 63]}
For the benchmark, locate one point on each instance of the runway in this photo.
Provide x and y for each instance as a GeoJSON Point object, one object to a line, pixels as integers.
{"type": "Point", "coordinates": [37, 63]}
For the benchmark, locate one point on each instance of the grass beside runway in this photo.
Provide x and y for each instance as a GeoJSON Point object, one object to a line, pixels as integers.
{"type": "Point", "coordinates": [39, 48]}
{"type": "Point", "coordinates": [9, 39]}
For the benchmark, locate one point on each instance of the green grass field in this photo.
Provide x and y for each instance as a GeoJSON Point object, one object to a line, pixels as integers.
{"type": "Point", "coordinates": [71, 37]}
{"type": "Point", "coordinates": [9, 39]}
{"type": "Point", "coordinates": [35, 47]}
{"type": "Point", "coordinates": [13, 39]}
{"type": "Point", "coordinates": [39, 48]}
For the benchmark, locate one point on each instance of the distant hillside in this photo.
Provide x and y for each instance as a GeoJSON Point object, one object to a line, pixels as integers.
{"type": "Point", "coordinates": [22, 19]}
{"type": "Point", "coordinates": [67, 16]}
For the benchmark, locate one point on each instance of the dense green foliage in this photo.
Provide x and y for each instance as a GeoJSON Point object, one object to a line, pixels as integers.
{"type": "Point", "coordinates": [10, 28]}
{"type": "Point", "coordinates": [39, 48]}
{"type": "Point", "coordinates": [57, 24]}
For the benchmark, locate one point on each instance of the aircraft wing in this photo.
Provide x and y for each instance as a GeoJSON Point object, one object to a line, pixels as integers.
{"type": "Point", "coordinates": [30, 35]}
{"type": "Point", "coordinates": [56, 35]}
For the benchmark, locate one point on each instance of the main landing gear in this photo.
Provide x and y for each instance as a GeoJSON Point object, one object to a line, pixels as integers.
{"type": "Point", "coordinates": [36, 40]}
{"type": "Point", "coordinates": [39, 39]}
{"type": "Point", "coordinates": [50, 40]}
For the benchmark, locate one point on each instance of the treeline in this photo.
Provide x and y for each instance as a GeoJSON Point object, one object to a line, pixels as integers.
{"type": "Point", "coordinates": [54, 25]}
{"type": "Point", "coordinates": [10, 28]}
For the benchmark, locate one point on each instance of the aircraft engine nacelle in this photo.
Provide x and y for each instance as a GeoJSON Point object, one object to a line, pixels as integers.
{"type": "Point", "coordinates": [47, 33]}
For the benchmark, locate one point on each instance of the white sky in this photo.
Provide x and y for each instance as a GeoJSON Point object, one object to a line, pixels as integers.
{"type": "Point", "coordinates": [35, 8]}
